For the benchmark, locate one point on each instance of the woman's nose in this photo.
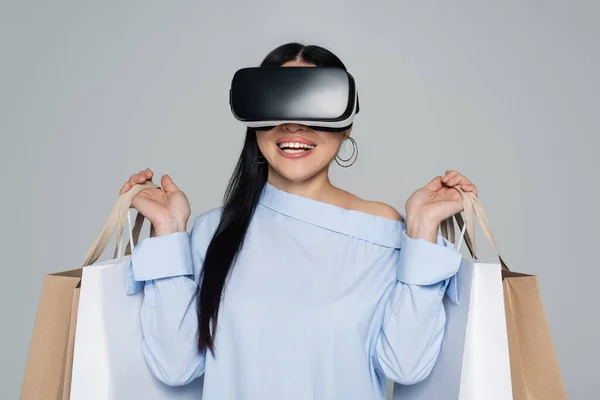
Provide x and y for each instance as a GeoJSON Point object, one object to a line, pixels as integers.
{"type": "Point", "coordinates": [292, 128]}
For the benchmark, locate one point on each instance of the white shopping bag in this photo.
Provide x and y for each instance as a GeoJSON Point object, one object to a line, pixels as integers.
{"type": "Point", "coordinates": [474, 362]}
{"type": "Point", "coordinates": [108, 360]}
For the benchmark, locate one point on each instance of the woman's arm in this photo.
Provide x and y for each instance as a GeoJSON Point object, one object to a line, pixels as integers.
{"type": "Point", "coordinates": [168, 269]}
{"type": "Point", "coordinates": [410, 338]}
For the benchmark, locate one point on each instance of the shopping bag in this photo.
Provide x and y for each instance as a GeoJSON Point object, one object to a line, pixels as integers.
{"type": "Point", "coordinates": [49, 360]}
{"type": "Point", "coordinates": [535, 371]}
{"type": "Point", "coordinates": [474, 362]}
{"type": "Point", "coordinates": [534, 366]}
{"type": "Point", "coordinates": [108, 360]}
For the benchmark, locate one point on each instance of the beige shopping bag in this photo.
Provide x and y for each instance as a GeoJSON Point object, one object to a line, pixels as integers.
{"type": "Point", "coordinates": [534, 368]}
{"type": "Point", "coordinates": [49, 363]}
{"type": "Point", "coordinates": [533, 363]}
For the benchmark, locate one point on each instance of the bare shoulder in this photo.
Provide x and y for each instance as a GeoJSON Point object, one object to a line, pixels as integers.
{"type": "Point", "coordinates": [382, 210]}
{"type": "Point", "coordinates": [376, 208]}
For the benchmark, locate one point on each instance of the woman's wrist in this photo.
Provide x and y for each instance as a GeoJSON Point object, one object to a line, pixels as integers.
{"type": "Point", "coordinates": [422, 227]}
{"type": "Point", "coordinates": [169, 228]}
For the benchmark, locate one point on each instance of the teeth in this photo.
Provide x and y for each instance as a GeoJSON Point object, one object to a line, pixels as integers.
{"type": "Point", "coordinates": [295, 145]}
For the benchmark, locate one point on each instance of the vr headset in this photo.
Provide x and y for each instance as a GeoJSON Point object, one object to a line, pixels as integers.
{"type": "Point", "coordinates": [322, 98]}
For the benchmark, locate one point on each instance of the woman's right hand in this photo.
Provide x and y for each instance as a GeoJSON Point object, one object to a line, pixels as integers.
{"type": "Point", "coordinates": [167, 207]}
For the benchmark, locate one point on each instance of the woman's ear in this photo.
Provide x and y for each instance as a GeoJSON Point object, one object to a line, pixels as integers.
{"type": "Point", "coordinates": [346, 133]}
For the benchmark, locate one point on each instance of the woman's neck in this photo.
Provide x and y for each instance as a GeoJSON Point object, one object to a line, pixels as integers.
{"type": "Point", "coordinates": [317, 187]}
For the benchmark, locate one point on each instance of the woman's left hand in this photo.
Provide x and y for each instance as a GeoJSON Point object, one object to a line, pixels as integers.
{"type": "Point", "coordinates": [429, 206]}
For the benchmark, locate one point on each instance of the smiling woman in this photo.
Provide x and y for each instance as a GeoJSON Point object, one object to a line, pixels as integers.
{"type": "Point", "coordinates": [294, 289]}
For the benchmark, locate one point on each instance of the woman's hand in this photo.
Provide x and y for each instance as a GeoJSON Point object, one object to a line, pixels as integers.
{"type": "Point", "coordinates": [429, 206]}
{"type": "Point", "coordinates": [167, 207]}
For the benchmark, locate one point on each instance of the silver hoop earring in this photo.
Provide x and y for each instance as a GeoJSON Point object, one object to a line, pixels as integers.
{"type": "Point", "coordinates": [348, 162]}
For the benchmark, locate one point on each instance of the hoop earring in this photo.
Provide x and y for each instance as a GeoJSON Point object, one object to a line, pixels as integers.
{"type": "Point", "coordinates": [261, 159]}
{"type": "Point", "coordinates": [348, 162]}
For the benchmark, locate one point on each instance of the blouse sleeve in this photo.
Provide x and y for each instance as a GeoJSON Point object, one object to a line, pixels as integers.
{"type": "Point", "coordinates": [414, 318]}
{"type": "Point", "coordinates": [167, 268]}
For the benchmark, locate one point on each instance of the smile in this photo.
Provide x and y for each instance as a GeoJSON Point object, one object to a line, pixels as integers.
{"type": "Point", "coordinates": [295, 147]}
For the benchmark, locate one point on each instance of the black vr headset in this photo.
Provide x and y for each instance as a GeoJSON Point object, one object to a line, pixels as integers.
{"type": "Point", "coordinates": [322, 98]}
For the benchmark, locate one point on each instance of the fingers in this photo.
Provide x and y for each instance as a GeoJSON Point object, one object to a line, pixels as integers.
{"type": "Point", "coordinates": [136, 179]}
{"type": "Point", "coordinates": [141, 176]}
{"type": "Point", "coordinates": [455, 178]}
{"type": "Point", "coordinates": [449, 174]}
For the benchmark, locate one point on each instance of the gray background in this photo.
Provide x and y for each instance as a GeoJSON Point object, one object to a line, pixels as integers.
{"type": "Point", "coordinates": [505, 92]}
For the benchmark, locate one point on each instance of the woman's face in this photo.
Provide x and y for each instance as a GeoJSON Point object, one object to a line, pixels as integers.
{"type": "Point", "coordinates": [297, 152]}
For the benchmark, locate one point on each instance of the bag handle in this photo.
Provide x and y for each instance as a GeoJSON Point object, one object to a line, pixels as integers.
{"type": "Point", "coordinates": [116, 220]}
{"type": "Point", "coordinates": [135, 233]}
{"type": "Point", "coordinates": [473, 211]}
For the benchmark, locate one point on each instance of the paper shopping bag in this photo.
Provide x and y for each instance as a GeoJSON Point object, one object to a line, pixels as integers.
{"type": "Point", "coordinates": [49, 360]}
{"type": "Point", "coordinates": [465, 374]}
{"type": "Point", "coordinates": [108, 360]}
{"type": "Point", "coordinates": [534, 366]}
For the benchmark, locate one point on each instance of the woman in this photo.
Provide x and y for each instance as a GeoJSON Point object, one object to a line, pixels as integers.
{"type": "Point", "coordinates": [294, 288]}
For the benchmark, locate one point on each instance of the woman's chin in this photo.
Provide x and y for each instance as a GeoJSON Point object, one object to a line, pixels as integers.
{"type": "Point", "coordinates": [296, 173]}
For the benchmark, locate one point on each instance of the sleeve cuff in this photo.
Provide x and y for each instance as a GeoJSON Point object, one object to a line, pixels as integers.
{"type": "Point", "coordinates": [425, 263]}
{"type": "Point", "coordinates": [159, 257]}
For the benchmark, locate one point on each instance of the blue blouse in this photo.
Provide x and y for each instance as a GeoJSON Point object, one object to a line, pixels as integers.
{"type": "Point", "coordinates": [322, 303]}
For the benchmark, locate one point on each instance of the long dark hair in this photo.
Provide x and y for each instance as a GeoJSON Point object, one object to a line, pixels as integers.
{"type": "Point", "coordinates": [241, 198]}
